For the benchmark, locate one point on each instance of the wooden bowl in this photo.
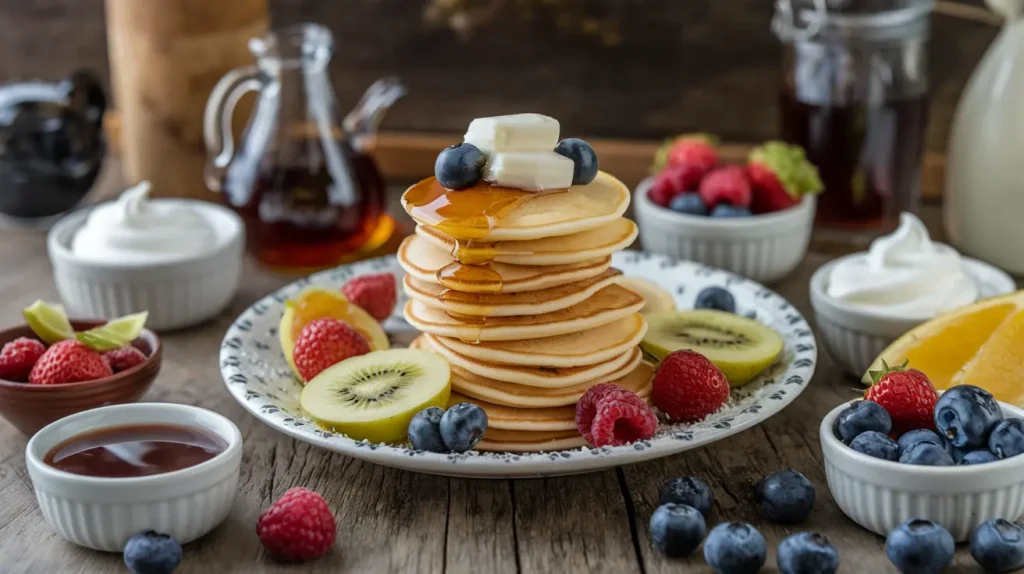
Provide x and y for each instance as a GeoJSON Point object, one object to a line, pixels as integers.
{"type": "Point", "coordinates": [31, 407]}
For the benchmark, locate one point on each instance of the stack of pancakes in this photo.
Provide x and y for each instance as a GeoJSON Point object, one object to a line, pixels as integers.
{"type": "Point", "coordinates": [517, 292]}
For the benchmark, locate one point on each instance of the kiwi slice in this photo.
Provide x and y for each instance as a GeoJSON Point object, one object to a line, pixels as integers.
{"type": "Point", "coordinates": [741, 347]}
{"type": "Point", "coordinates": [115, 333]}
{"type": "Point", "coordinates": [374, 396]}
{"type": "Point", "coordinates": [48, 322]}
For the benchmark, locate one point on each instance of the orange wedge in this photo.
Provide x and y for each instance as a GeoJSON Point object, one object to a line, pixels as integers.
{"type": "Point", "coordinates": [981, 345]}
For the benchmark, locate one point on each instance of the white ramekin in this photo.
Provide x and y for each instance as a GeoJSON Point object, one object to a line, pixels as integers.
{"type": "Point", "coordinates": [854, 336]}
{"type": "Point", "coordinates": [880, 495]}
{"type": "Point", "coordinates": [103, 513]}
{"type": "Point", "coordinates": [764, 248]}
{"type": "Point", "coordinates": [176, 294]}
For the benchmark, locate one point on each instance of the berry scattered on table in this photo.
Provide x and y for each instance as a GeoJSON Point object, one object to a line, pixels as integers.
{"type": "Point", "coordinates": [18, 357]}
{"type": "Point", "coordinates": [997, 545]}
{"type": "Point", "coordinates": [807, 553]}
{"type": "Point", "coordinates": [965, 415]}
{"type": "Point", "coordinates": [69, 361]}
{"type": "Point", "coordinates": [926, 454]}
{"type": "Point", "coordinates": [376, 294]}
{"type": "Point", "coordinates": [876, 444]}
{"type": "Point", "coordinates": [150, 552]}
{"type": "Point", "coordinates": [462, 426]}
{"type": "Point", "coordinates": [780, 176]}
{"type": "Point", "coordinates": [459, 166]}
{"type": "Point", "coordinates": [675, 180]}
{"type": "Point", "coordinates": [715, 297]}
{"type": "Point", "coordinates": [735, 548]}
{"type": "Point", "coordinates": [298, 527]}
{"type": "Point", "coordinates": [1007, 438]}
{"type": "Point", "coordinates": [620, 417]}
{"type": "Point", "coordinates": [689, 203]}
{"type": "Point", "coordinates": [785, 496]}
{"type": "Point", "coordinates": [584, 159]}
{"type": "Point", "coordinates": [677, 530]}
{"type": "Point", "coordinates": [326, 342]}
{"type": "Point", "coordinates": [726, 211]}
{"type": "Point", "coordinates": [919, 547]}
{"type": "Point", "coordinates": [124, 358]}
{"type": "Point", "coordinates": [689, 491]}
{"type": "Point", "coordinates": [859, 417]}
{"type": "Point", "coordinates": [977, 457]}
{"type": "Point", "coordinates": [919, 435]}
{"type": "Point", "coordinates": [725, 185]}
{"type": "Point", "coordinates": [425, 430]}
{"type": "Point", "coordinates": [687, 387]}
{"type": "Point", "coordinates": [907, 395]}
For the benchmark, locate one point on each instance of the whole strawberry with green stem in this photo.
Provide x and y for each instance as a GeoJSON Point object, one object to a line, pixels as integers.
{"type": "Point", "coordinates": [698, 152]}
{"type": "Point", "coordinates": [780, 177]}
{"type": "Point", "coordinates": [906, 394]}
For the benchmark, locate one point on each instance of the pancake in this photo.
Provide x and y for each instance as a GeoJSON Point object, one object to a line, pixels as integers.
{"type": "Point", "coordinates": [422, 260]}
{"type": "Point", "coordinates": [515, 419]}
{"type": "Point", "coordinates": [500, 440]}
{"type": "Point", "coordinates": [607, 305]}
{"type": "Point", "coordinates": [587, 245]}
{"type": "Point", "coordinates": [545, 377]}
{"type": "Point", "coordinates": [570, 350]}
{"type": "Point", "coordinates": [507, 304]}
{"type": "Point", "coordinates": [490, 213]}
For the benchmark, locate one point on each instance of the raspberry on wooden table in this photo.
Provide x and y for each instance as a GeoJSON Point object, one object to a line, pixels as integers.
{"type": "Point", "coordinates": [69, 361]}
{"type": "Point", "coordinates": [375, 294]}
{"type": "Point", "coordinates": [298, 527]}
{"type": "Point", "coordinates": [326, 342]}
{"type": "Point", "coordinates": [18, 357]}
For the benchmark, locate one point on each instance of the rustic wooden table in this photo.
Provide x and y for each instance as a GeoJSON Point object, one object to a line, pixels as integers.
{"type": "Point", "coordinates": [397, 521]}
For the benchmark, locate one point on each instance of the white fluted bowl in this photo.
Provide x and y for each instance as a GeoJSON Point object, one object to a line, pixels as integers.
{"type": "Point", "coordinates": [103, 513]}
{"type": "Point", "coordinates": [764, 248]}
{"type": "Point", "coordinates": [880, 494]}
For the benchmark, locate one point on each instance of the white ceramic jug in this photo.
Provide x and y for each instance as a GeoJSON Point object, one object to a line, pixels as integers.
{"type": "Point", "coordinates": [984, 204]}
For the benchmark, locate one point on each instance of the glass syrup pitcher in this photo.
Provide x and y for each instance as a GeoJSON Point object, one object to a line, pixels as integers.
{"type": "Point", "coordinates": [303, 178]}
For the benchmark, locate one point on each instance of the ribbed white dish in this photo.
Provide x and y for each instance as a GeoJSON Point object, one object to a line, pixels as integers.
{"type": "Point", "coordinates": [176, 294]}
{"type": "Point", "coordinates": [880, 495]}
{"type": "Point", "coordinates": [103, 513]}
{"type": "Point", "coordinates": [765, 248]}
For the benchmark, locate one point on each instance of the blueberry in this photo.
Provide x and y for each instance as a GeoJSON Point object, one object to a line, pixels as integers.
{"type": "Point", "coordinates": [689, 203]}
{"type": "Point", "coordinates": [1007, 438]}
{"type": "Point", "coordinates": [807, 553]}
{"type": "Point", "coordinates": [729, 211]}
{"type": "Point", "coordinates": [735, 548]}
{"type": "Point", "coordinates": [462, 426]}
{"type": "Point", "coordinates": [998, 545]}
{"type": "Point", "coordinates": [677, 529]}
{"type": "Point", "coordinates": [785, 496]}
{"type": "Point", "coordinates": [859, 417]}
{"type": "Point", "coordinates": [425, 430]}
{"type": "Point", "coordinates": [584, 160]}
{"type": "Point", "coordinates": [919, 547]}
{"type": "Point", "coordinates": [459, 166]}
{"type": "Point", "coordinates": [978, 457]}
{"type": "Point", "coordinates": [965, 415]}
{"type": "Point", "coordinates": [915, 436]}
{"type": "Point", "coordinates": [927, 454]}
{"type": "Point", "coordinates": [689, 491]}
{"type": "Point", "coordinates": [717, 298]}
{"type": "Point", "coordinates": [876, 444]}
{"type": "Point", "coordinates": [150, 552]}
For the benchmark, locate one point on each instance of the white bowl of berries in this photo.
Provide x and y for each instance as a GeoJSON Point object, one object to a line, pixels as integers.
{"type": "Point", "coordinates": [754, 220]}
{"type": "Point", "coordinates": [955, 459]}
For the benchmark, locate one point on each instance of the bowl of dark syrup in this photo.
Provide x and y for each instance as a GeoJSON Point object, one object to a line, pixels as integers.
{"type": "Point", "coordinates": [103, 475]}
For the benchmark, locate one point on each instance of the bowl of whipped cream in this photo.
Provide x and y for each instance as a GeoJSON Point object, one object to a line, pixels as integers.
{"type": "Point", "coordinates": [178, 259]}
{"type": "Point", "coordinates": [864, 301]}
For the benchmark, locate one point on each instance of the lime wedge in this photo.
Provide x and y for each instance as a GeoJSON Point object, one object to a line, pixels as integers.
{"type": "Point", "coordinates": [48, 322]}
{"type": "Point", "coordinates": [115, 334]}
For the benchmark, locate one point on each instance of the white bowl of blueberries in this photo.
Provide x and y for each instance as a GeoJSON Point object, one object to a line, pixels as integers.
{"type": "Point", "coordinates": [961, 474]}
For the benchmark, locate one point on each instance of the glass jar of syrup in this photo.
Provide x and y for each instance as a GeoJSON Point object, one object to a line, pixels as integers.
{"type": "Point", "coordinates": [855, 96]}
{"type": "Point", "coordinates": [303, 178]}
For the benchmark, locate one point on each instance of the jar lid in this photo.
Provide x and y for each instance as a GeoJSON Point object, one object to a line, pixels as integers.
{"type": "Point", "coordinates": [802, 20]}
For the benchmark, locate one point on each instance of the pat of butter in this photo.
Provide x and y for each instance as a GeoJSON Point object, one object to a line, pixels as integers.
{"type": "Point", "coordinates": [531, 171]}
{"type": "Point", "coordinates": [514, 133]}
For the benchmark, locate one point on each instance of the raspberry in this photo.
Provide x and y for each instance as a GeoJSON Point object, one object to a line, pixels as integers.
{"type": "Point", "coordinates": [326, 342]}
{"type": "Point", "coordinates": [18, 357]}
{"type": "Point", "coordinates": [907, 395]}
{"type": "Point", "coordinates": [672, 181]}
{"type": "Point", "coordinates": [726, 185]}
{"type": "Point", "coordinates": [586, 407]}
{"type": "Point", "coordinates": [688, 387]}
{"type": "Point", "coordinates": [298, 527]}
{"type": "Point", "coordinates": [376, 294]}
{"type": "Point", "coordinates": [69, 361]}
{"type": "Point", "coordinates": [124, 358]}
{"type": "Point", "coordinates": [621, 417]}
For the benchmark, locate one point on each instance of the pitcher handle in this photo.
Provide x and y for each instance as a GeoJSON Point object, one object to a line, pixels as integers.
{"type": "Point", "coordinates": [220, 145]}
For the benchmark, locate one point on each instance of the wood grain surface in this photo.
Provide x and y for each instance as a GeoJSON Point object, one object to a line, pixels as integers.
{"type": "Point", "coordinates": [392, 521]}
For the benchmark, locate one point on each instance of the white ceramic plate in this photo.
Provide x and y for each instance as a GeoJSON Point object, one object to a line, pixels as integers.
{"type": "Point", "coordinates": [256, 374]}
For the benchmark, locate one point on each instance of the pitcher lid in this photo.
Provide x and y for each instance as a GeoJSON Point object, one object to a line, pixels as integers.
{"type": "Point", "coordinates": [802, 20]}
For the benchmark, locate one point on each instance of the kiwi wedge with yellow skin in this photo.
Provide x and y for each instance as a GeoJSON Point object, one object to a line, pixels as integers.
{"type": "Point", "coordinates": [742, 348]}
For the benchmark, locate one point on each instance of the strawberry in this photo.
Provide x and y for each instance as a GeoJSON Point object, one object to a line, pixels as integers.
{"type": "Point", "coordinates": [298, 527]}
{"type": "Point", "coordinates": [694, 150]}
{"type": "Point", "coordinates": [326, 342]}
{"type": "Point", "coordinates": [376, 294]}
{"type": "Point", "coordinates": [672, 181]}
{"type": "Point", "coordinates": [69, 361]}
{"type": "Point", "coordinates": [725, 185]}
{"type": "Point", "coordinates": [907, 394]}
{"type": "Point", "coordinates": [18, 357]}
{"type": "Point", "coordinates": [688, 387]}
{"type": "Point", "coordinates": [780, 176]}
{"type": "Point", "coordinates": [124, 358]}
